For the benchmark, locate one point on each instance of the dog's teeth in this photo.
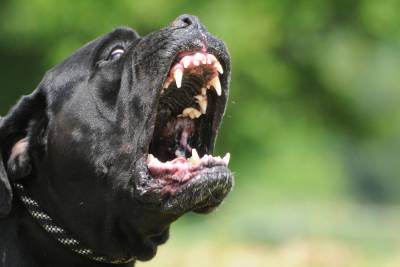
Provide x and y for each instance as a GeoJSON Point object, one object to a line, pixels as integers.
{"type": "Point", "coordinates": [178, 74]}
{"type": "Point", "coordinates": [194, 159]}
{"type": "Point", "coordinates": [191, 113]}
{"type": "Point", "coordinates": [202, 101]}
{"type": "Point", "coordinates": [204, 91]}
{"type": "Point", "coordinates": [151, 159]}
{"type": "Point", "coordinates": [219, 68]}
{"type": "Point", "coordinates": [186, 62]}
{"type": "Point", "coordinates": [201, 58]}
{"type": "Point", "coordinates": [227, 158]}
{"type": "Point", "coordinates": [210, 59]}
{"type": "Point", "coordinates": [217, 85]}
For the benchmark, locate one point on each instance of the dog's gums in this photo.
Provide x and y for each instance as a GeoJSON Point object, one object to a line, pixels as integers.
{"type": "Point", "coordinates": [181, 169]}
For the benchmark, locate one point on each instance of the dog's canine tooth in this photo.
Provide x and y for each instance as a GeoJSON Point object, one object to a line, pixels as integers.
{"type": "Point", "coordinates": [178, 74]}
{"type": "Point", "coordinates": [227, 158]}
{"type": "Point", "coordinates": [194, 159]}
{"type": "Point", "coordinates": [202, 101]}
{"type": "Point", "coordinates": [219, 68]}
{"type": "Point", "coordinates": [216, 84]}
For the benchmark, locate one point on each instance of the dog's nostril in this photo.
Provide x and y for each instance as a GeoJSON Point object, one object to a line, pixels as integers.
{"type": "Point", "coordinates": [184, 21]}
{"type": "Point", "coordinates": [187, 21]}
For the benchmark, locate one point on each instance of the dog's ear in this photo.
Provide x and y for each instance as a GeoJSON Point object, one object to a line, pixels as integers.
{"type": "Point", "coordinates": [17, 137]}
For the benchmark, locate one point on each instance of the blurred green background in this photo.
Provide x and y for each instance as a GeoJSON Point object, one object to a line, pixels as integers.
{"type": "Point", "coordinates": [313, 123]}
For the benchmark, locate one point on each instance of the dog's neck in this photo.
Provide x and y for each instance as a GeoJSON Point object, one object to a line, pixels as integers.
{"type": "Point", "coordinates": [63, 237]}
{"type": "Point", "coordinates": [107, 235]}
{"type": "Point", "coordinates": [43, 249]}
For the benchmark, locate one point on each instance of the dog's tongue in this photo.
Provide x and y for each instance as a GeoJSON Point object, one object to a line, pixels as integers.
{"type": "Point", "coordinates": [182, 169]}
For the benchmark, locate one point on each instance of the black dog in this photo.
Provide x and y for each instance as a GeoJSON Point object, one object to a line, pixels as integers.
{"type": "Point", "coordinates": [103, 156]}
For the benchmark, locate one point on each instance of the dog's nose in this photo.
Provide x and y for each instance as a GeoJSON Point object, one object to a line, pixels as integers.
{"type": "Point", "coordinates": [185, 20]}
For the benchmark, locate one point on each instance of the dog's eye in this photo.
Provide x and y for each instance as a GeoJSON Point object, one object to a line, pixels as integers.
{"type": "Point", "coordinates": [116, 54]}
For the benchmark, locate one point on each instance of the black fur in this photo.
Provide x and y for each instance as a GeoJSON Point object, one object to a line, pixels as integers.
{"type": "Point", "coordinates": [88, 126]}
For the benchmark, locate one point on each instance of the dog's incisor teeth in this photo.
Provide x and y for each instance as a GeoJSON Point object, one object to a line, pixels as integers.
{"type": "Point", "coordinates": [178, 74]}
{"type": "Point", "coordinates": [191, 113]}
{"type": "Point", "coordinates": [186, 61]}
{"type": "Point", "coordinates": [216, 84]}
{"type": "Point", "coordinates": [202, 101]}
{"type": "Point", "coordinates": [201, 58]}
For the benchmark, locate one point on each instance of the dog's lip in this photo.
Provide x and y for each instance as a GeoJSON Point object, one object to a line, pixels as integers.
{"type": "Point", "coordinates": [217, 170]}
{"type": "Point", "coordinates": [210, 187]}
{"type": "Point", "coordinates": [201, 194]}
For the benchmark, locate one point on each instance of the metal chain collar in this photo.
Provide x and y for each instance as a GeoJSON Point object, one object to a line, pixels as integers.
{"type": "Point", "coordinates": [60, 234]}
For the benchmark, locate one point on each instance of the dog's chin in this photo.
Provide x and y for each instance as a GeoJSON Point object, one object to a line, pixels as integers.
{"type": "Point", "coordinates": [202, 193]}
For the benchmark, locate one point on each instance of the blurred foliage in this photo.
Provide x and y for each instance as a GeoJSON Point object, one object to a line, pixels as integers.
{"type": "Point", "coordinates": [315, 98]}
{"type": "Point", "coordinates": [314, 112]}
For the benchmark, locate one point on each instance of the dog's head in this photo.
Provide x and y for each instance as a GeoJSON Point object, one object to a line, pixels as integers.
{"type": "Point", "coordinates": [120, 135]}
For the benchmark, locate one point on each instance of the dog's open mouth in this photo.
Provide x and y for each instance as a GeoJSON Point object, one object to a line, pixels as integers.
{"type": "Point", "coordinates": [181, 143]}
